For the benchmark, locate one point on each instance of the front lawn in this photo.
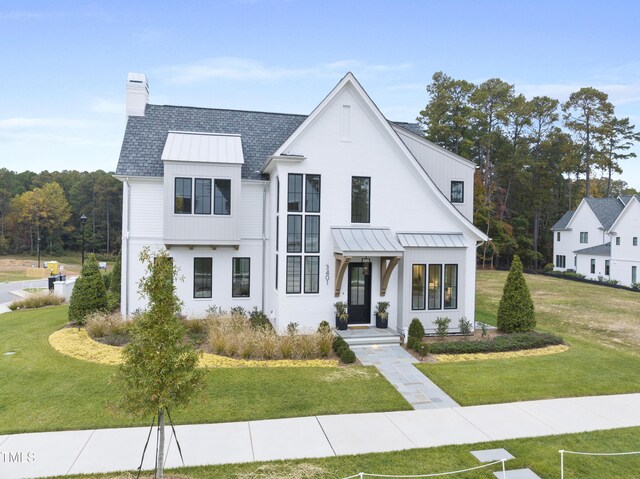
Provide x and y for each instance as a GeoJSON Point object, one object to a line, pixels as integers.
{"type": "Point", "coordinates": [600, 324]}
{"type": "Point", "coordinates": [538, 454]}
{"type": "Point", "coordinates": [42, 390]}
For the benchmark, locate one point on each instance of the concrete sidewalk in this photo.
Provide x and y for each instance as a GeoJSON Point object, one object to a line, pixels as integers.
{"type": "Point", "coordinates": [109, 450]}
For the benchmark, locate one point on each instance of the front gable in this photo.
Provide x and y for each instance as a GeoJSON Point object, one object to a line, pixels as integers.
{"type": "Point", "coordinates": [584, 217]}
{"type": "Point", "coordinates": [346, 136]}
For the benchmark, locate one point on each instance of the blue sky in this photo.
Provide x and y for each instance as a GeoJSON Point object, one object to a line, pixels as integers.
{"type": "Point", "coordinates": [62, 88]}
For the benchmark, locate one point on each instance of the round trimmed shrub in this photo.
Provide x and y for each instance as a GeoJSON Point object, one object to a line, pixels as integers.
{"type": "Point", "coordinates": [89, 294]}
{"type": "Point", "coordinates": [515, 312]}
{"type": "Point", "coordinates": [348, 356]}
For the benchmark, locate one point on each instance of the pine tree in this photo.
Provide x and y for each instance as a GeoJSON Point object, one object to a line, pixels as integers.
{"type": "Point", "coordinates": [515, 312]}
{"type": "Point", "coordinates": [160, 369]}
{"type": "Point", "coordinates": [89, 294]}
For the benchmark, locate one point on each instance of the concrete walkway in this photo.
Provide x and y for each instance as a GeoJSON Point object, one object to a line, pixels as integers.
{"type": "Point", "coordinates": [397, 365]}
{"type": "Point", "coordinates": [110, 450]}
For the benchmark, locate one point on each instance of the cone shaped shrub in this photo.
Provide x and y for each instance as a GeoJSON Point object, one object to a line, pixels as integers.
{"type": "Point", "coordinates": [515, 312]}
{"type": "Point", "coordinates": [89, 294]}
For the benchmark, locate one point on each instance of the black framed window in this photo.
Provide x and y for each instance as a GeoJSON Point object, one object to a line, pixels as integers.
{"type": "Point", "coordinates": [584, 237]}
{"type": "Point", "coordinates": [607, 267]}
{"type": "Point", "coordinates": [294, 193]}
{"type": "Point", "coordinates": [182, 196]}
{"type": "Point", "coordinates": [457, 192]}
{"type": "Point", "coordinates": [277, 194]}
{"type": "Point", "coordinates": [312, 194]}
{"type": "Point", "coordinates": [418, 277]}
{"type": "Point", "coordinates": [561, 261]}
{"type": "Point", "coordinates": [450, 286]}
{"type": "Point", "coordinates": [241, 278]}
{"type": "Point", "coordinates": [311, 234]}
{"type": "Point", "coordinates": [593, 265]}
{"type": "Point", "coordinates": [294, 233]}
{"type": "Point", "coordinates": [222, 197]}
{"type": "Point", "coordinates": [294, 267]}
{"type": "Point", "coordinates": [435, 286]}
{"type": "Point", "coordinates": [617, 240]}
{"type": "Point", "coordinates": [558, 235]}
{"type": "Point", "coordinates": [311, 274]}
{"type": "Point", "coordinates": [202, 196]}
{"type": "Point", "coordinates": [276, 272]}
{"type": "Point", "coordinates": [202, 277]}
{"type": "Point", "coordinates": [277, 232]}
{"type": "Point", "coordinates": [360, 199]}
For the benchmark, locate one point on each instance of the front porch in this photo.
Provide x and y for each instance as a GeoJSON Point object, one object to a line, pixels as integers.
{"type": "Point", "coordinates": [369, 336]}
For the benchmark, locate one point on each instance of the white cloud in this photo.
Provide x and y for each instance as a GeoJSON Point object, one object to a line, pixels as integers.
{"type": "Point", "coordinates": [244, 69]}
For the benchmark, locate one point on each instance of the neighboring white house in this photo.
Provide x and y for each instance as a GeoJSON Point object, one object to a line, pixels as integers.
{"type": "Point", "coordinates": [600, 239]}
{"type": "Point", "coordinates": [291, 213]}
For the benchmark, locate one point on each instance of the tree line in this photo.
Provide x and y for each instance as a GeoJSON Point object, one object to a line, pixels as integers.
{"type": "Point", "coordinates": [536, 158]}
{"type": "Point", "coordinates": [49, 205]}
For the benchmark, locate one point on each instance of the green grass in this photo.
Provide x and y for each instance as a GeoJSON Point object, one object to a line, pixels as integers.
{"type": "Point", "coordinates": [600, 324]}
{"type": "Point", "coordinates": [538, 454]}
{"type": "Point", "coordinates": [43, 390]}
{"type": "Point", "coordinates": [7, 276]}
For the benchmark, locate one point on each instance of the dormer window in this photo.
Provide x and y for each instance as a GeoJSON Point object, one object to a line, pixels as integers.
{"type": "Point", "coordinates": [222, 197]}
{"type": "Point", "coordinates": [203, 196]}
{"type": "Point", "coordinates": [193, 195]}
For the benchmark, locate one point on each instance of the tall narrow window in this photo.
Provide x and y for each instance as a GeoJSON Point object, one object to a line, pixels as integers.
{"type": "Point", "coordinates": [606, 267]}
{"type": "Point", "coordinates": [277, 233]}
{"type": "Point", "coordinates": [418, 282]}
{"type": "Point", "coordinates": [360, 199]}
{"type": "Point", "coordinates": [312, 194]}
{"type": "Point", "coordinates": [182, 203]}
{"type": "Point", "coordinates": [311, 273]}
{"type": "Point", "coordinates": [311, 234]}
{"type": "Point", "coordinates": [294, 234]}
{"type": "Point", "coordinates": [277, 194]}
{"type": "Point", "coordinates": [450, 286]}
{"type": "Point", "coordinates": [202, 277]}
{"type": "Point", "coordinates": [435, 286]}
{"type": "Point", "coordinates": [222, 197]}
{"type": "Point", "coordinates": [203, 196]}
{"type": "Point", "coordinates": [457, 192]}
{"type": "Point", "coordinates": [593, 265]}
{"type": "Point", "coordinates": [294, 266]}
{"type": "Point", "coordinates": [558, 236]}
{"type": "Point", "coordinates": [241, 278]}
{"type": "Point", "coordinates": [294, 193]}
{"type": "Point", "coordinates": [618, 241]}
{"type": "Point", "coordinates": [634, 274]}
{"type": "Point", "coordinates": [276, 272]}
{"type": "Point", "coordinates": [635, 241]}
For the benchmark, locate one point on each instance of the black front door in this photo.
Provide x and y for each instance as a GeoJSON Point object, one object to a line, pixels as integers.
{"type": "Point", "coordinates": [359, 295]}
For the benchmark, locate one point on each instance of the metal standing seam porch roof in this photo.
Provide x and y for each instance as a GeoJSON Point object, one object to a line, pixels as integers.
{"type": "Point", "coordinates": [366, 241]}
{"type": "Point", "coordinates": [203, 147]}
{"type": "Point", "coordinates": [431, 240]}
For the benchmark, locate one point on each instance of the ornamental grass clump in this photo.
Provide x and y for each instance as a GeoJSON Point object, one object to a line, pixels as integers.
{"type": "Point", "coordinates": [108, 328]}
{"type": "Point", "coordinates": [515, 311]}
{"type": "Point", "coordinates": [37, 300]}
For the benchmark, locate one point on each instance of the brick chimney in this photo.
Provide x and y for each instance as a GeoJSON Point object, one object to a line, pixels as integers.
{"type": "Point", "coordinates": [137, 94]}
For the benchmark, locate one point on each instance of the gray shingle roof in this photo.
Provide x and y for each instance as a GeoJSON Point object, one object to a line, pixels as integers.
{"type": "Point", "coordinates": [561, 224]}
{"type": "Point", "coordinates": [598, 250]}
{"type": "Point", "coordinates": [626, 198]}
{"type": "Point", "coordinates": [262, 133]}
{"type": "Point", "coordinates": [605, 209]}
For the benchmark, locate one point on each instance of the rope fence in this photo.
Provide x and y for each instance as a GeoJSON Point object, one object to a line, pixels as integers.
{"type": "Point", "coordinates": [578, 453]}
{"type": "Point", "coordinates": [362, 475]}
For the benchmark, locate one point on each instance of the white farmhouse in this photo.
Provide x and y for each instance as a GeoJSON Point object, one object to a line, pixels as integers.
{"type": "Point", "coordinates": [292, 213]}
{"type": "Point", "coordinates": [600, 239]}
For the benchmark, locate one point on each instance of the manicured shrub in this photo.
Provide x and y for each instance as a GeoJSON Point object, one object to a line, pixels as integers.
{"type": "Point", "coordinates": [89, 294]}
{"type": "Point", "coordinates": [416, 329]}
{"type": "Point", "coordinates": [37, 300]}
{"type": "Point", "coordinates": [422, 349]}
{"type": "Point", "coordinates": [515, 312]}
{"type": "Point", "coordinates": [413, 342]}
{"type": "Point", "coordinates": [464, 325]}
{"type": "Point", "coordinates": [106, 279]}
{"type": "Point", "coordinates": [338, 342]}
{"type": "Point", "coordinates": [115, 285]}
{"type": "Point", "coordinates": [348, 356]}
{"type": "Point", "coordinates": [442, 326]}
{"type": "Point", "coordinates": [507, 342]}
{"type": "Point", "coordinates": [635, 286]}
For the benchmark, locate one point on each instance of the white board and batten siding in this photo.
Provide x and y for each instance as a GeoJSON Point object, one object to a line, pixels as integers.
{"type": "Point", "coordinates": [443, 167]}
{"type": "Point", "coordinates": [626, 255]}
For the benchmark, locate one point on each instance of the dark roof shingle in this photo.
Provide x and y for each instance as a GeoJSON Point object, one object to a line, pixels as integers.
{"type": "Point", "coordinates": [561, 224]}
{"type": "Point", "coordinates": [598, 250]}
{"type": "Point", "coordinates": [261, 133]}
{"type": "Point", "coordinates": [605, 209]}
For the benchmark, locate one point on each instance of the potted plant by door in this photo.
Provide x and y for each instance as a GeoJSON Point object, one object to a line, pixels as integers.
{"type": "Point", "coordinates": [382, 315]}
{"type": "Point", "coordinates": [342, 317]}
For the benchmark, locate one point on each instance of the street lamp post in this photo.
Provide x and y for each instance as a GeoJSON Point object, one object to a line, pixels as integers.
{"type": "Point", "coordinates": [83, 220]}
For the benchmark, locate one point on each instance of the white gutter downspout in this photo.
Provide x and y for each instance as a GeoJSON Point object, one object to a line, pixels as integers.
{"type": "Point", "coordinates": [125, 284]}
{"type": "Point", "coordinates": [264, 240]}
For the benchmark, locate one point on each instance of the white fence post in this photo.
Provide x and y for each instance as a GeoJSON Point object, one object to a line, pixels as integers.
{"type": "Point", "coordinates": [561, 464]}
